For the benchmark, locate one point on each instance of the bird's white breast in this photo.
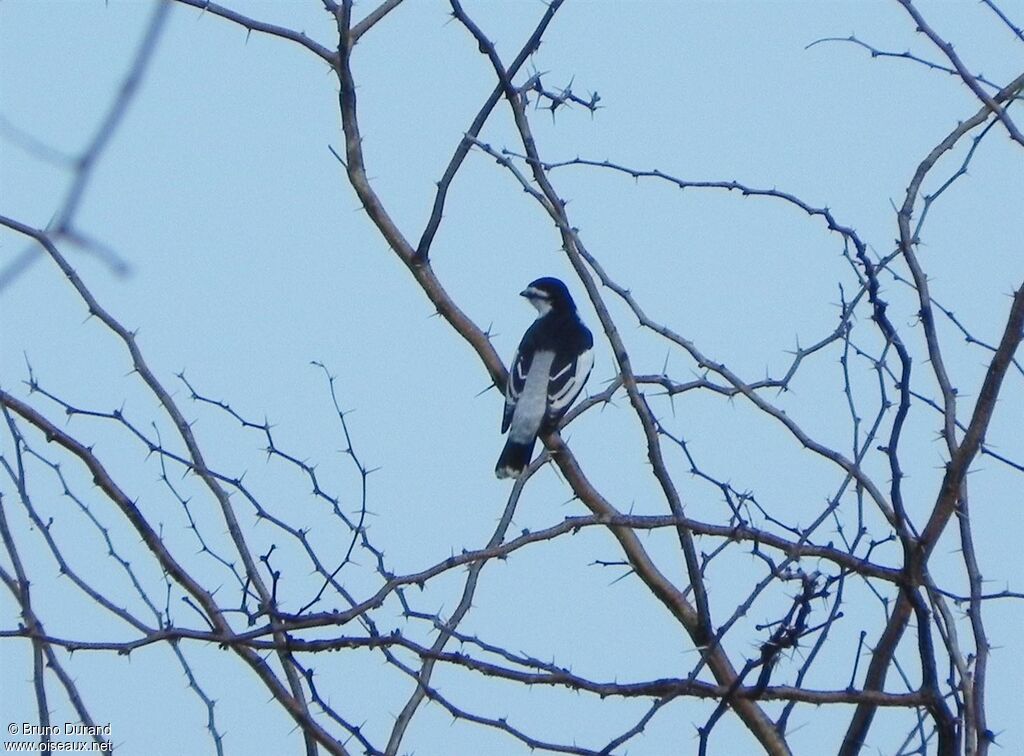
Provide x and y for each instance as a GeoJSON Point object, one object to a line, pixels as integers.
{"type": "Point", "coordinates": [533, 400]}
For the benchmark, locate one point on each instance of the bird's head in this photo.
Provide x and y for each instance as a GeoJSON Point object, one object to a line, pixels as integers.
{"type": "Point", "coordinates": [547, 294]}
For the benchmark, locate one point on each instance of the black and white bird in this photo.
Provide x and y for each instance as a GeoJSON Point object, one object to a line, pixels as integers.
{"type": "Point", "coordinates": [549, 370]}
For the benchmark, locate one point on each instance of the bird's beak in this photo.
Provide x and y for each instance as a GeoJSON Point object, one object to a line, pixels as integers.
{"type": "Point", "coordinates": [525, 293]}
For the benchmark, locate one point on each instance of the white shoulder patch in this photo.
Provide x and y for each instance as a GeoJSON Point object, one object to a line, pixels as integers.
{"type": "Point", "coordinates": [581, 367]}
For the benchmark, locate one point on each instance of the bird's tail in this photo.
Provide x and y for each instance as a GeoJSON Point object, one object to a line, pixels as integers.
{"type": "Point", "coordinates": [514, 458]}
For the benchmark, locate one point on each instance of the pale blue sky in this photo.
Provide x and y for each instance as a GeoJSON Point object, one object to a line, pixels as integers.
{"type": "Point", "coordinates": [249, 257]}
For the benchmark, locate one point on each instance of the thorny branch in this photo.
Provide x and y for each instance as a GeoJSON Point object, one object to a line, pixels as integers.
{"type": "Point", "coordinates": [82, 166]}
{"type": "Point", "coordinates": [744, 648]}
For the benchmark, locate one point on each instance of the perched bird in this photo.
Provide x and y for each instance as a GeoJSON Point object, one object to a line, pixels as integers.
{"type": "Point", "coordinates": [549, 370]}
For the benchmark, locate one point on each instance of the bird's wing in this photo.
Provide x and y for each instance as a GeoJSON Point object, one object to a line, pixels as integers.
{"type": "Point", "coordinates": [516, 380]}
{"type": "Point", "coordinates": [568, 376]}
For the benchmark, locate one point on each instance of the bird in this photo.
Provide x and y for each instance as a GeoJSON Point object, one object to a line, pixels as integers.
{"type": "Point", "coordinates": [549, 370]}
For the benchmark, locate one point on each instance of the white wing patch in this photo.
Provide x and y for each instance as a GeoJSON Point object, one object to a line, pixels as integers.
{"type": "Point", "coordinates": [574, 374]}
{"type": "Point", "coordinates": [516, 380]}
{"type": "Point", "coordinates": [540, 390]}
{"type": "Point", "coordinates": [532, 403]}
{"type": "Point", "coordinates": [513, 388]}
